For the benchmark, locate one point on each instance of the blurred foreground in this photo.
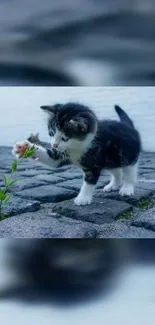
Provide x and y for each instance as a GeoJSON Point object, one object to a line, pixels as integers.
{"type": "Point", "coordinates": [74, 281]}
{"type": "Point", "coordinates": [62, 43]}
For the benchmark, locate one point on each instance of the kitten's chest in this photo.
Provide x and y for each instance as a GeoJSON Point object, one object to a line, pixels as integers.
{"type": "Point", "coordinates": [75, 158]}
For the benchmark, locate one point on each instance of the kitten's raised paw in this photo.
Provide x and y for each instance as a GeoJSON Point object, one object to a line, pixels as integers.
{"type": "Point", "coordinates": [79, 200]}
{"type": "Point", "coordinates": [20, 147]}
{"type": "Point", "coordinates": [127, 190]}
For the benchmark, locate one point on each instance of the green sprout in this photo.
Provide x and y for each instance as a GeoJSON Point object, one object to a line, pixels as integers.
{"type": "Point", "coordinates": [144, 203]}
{"type": "Point", "coordinates": [4, 193]}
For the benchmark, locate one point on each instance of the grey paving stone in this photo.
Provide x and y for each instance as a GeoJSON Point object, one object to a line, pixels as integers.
{"type": "Point", "coordinates": [146, 185]}
{"type": "Point", "coordinates": [64, 168]}
{"type": "Point", "coordinates": [71, 174]}
{"type": "Point", "coordinates": [31, 172]}
{"type": "Point", "coordinates": [1, 176]}
{"type": "Point", "coordinates": [26, 183]}
{"type": "Point", "coordinates": [77, 183]}
{"type": "Point", "coordinates": [47, 193]}
{"type": "Point", "coordinates": [5, 163]}
{"type": "Point", "coordinates": [121, 230]}
{"type": "Point", "coordinates": [147, 166]}
{"type": "Point", "coordinates": [144, 169]}
{"type": "Point", "coordinates": [101, 211]}
{"type": "Point", "coordinates": [52, 178]}
{"type": "Point", "coordinates": [56, 188]}
{"type": "Point", "coordinates": [71, 184]}
{"type": "Point", "coordinates": [148, 176]}
{"type": "Point", "coordinates": [18, 205]}
{"type": "Point", "coordinates": [33, 225]}
{"type": "Point", "coordinates": [140, 194]}
{"type": "Point", "coordinates": [145, 219]}
{"type": "Point", "coordinates": [53, 170]}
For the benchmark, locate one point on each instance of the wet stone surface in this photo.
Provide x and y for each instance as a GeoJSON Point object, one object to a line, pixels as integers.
{"type": "Point", "coordinates": [42, 203]}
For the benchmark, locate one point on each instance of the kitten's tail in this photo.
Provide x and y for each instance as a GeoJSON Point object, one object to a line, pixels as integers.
{"type": "Point", "coordinates": [123, 116]}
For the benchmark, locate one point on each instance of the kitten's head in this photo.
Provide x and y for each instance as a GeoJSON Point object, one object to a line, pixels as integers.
{"type": "Point", "coordinates": [71, 126]}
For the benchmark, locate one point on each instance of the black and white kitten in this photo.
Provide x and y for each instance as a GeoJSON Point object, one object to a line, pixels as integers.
{"type": "Point", "coordinates": [79, 138]}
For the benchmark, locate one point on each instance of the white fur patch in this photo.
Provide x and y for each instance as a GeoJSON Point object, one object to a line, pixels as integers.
{"type": "Point", "coordinates": [86, 194]}
{"type": "Point", "coordinates": [56, 139]}
{"type": "Point", "coordinates": [130, 178]}
{"type": "Point", "coordinates": [111, 187]}
{"type": "Point", "coordinates": [74, 147]}
{"type": "Point", "coordinates": [127, 189]}
{"type": "Point", "coordinates": [115, 180]}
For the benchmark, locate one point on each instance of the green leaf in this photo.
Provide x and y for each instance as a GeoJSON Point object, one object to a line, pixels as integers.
{"type": "Point", "coordinates": [4, 216]}
{"type": "Point", "coordinates": [29, 152]}
{"type": "Point", "coordinates": [14, 166]}
{"type": "Point", "coordinates": [5, 181]}
{"type": "Point", "coordinates": [13, 182]}
{"type": "Point", "coordinates": [6, 200]}
{"type": "Point", "coordinates": [5, 194]}
{"type": "Point", "coordinates": [2, 195]}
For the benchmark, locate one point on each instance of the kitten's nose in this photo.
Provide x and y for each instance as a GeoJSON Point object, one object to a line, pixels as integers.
{"type": "Point", "coordinates": [54, 145]}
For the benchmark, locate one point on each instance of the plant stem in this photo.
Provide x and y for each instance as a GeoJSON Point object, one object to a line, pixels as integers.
{"type": "Point", "coordinates": [10, 177]}
{"type": "Point", "coordinates": [1, 207]}
{"type": "Point", "coordinates": [7, 182]}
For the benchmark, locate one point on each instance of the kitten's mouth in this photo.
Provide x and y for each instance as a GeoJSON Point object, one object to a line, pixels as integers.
{"type": "Point", "coordinates": [54, 145]}
{"type": "Point", "coordinates": [57, 148]}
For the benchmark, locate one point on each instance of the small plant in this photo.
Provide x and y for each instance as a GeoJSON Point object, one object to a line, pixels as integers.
{"type": "Point", "coordinates": [126, 215]}
{"type": "Point", "coordinates": [4, 193]}
{"type": "Point", "coordinates": [144, 203]}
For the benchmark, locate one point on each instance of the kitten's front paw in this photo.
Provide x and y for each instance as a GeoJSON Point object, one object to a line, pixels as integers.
{"type": "Point", "coordinates": [82, 200]}
{"type": "Point", "coordinates": [127, 190]}
{"type": "Point", "coordinates": [20, 147]}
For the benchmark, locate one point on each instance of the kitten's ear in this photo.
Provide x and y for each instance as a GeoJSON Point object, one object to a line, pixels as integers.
{"type": "Point", "coordinates": [37, 135]}
{"type": "Point", "coordinates": [79, 124]}
{"type": "Point", "coordinates": [48, 109]}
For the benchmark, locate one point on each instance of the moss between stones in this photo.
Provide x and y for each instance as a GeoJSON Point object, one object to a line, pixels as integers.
{"type": "Point", "coordinates": [144, 203]}
{"type": "Point", "coordinates": [126, 215]}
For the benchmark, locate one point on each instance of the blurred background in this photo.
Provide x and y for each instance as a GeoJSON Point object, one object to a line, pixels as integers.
{"type": "Point", "coordinates": [21, 114]}
{"type": "Point", "coordinates": [77, 282]}
{"type": "Point", "coordinates": [88, 42]}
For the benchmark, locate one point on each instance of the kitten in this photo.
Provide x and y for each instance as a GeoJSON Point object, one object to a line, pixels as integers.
{"type": "Point", "coordinates": [79, 138]}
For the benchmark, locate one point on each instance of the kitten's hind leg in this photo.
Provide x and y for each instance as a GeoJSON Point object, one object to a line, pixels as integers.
{"type": "Point", "coordinates": [130, 178]}
{"type": "Point", "coordinates": [115, 183]}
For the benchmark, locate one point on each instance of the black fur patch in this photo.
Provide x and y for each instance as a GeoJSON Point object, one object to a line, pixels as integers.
{"type": "Point", "coordinates": [115, 145]}
{"type": "Point", "coordinates": [56, 155]}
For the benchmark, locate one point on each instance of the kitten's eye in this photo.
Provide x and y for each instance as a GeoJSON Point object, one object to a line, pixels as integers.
{"type": "Point", "coordinates": [64, 139]}
{"type": "Point", "coordinates": [51, 134]}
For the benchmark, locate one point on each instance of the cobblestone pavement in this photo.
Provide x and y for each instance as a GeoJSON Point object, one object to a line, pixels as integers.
{"type": "Point", "coordinates": [42, 203]}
